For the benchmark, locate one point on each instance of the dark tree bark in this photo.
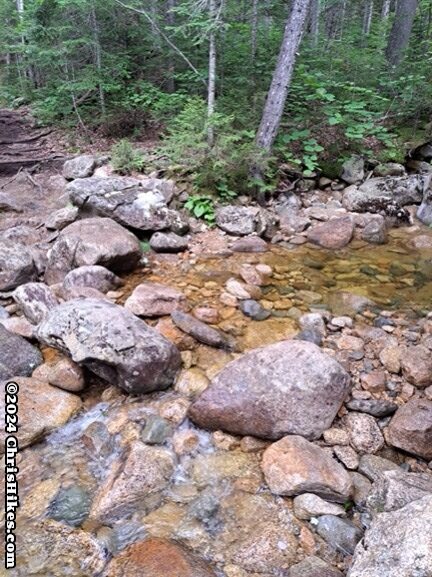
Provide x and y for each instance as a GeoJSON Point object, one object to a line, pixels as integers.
{"type": "Point", "coordinates": [282, 75]}
{"type": "Point", "coordinates": [401, 31]}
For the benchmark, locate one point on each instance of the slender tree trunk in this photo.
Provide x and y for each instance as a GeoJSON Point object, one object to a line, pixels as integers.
{"type": "Point", "coordinates": [367, 17]}
{"type": "Point", "coordinates": [385, 10]}
{"type": "Point", "coordinates": [254, 27]}
{"type": "Point", "coordinates": [282, 75]}
{"type": "Point", "coordinates": [315, 15]}
{"type": "Point", "coordinates": [98, 56]}
{"type": "Point", "coordinates": [170, 20]}
{"type": "Point", "coordinates": [401, 31]}
{"type": "Point", "coordinates": [211, 100]}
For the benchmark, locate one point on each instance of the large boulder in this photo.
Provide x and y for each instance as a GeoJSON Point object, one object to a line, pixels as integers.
{"type": "Point", "coordinates": [395, 489]}
{"type": "Point", "coordinates": [17, 356]}
{"type": "Point", "coordinates": [16, 265]}
{"type": "Point", "coordinates": [290, 387]}
{"type": "Point", "coordinates": [138, 204]}
{"type": "Point", "coordinates": [424, 212]}
{"type": "Point", "coordinates": [411, 428]}
{"type": "Point", "coordinates": [79, 167]}
{"type": "Point", "coordinates": [293, 466]}
{"type": "Point", "coordinates": [42, 408]}
{"type": "Point", "coordinates": [92, 241]}
{"type": "Point", "coordinates": [376, 194]}
{"type": "Point", "coordinates": [112, 343]}
{"type": "Point", "coordinates": [92, 276]}
{"type": "Point", "coordinates": [245, 220]}
{"type": "Point", "coordinates": [397, 544]}
{"type": "Point", "coordinates": [158, 558]}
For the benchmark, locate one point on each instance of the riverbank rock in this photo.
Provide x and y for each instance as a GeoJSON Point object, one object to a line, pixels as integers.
{"type": "Point", "coordinates": [35, 299]}
{"type": "Point", "coordinates": [151, 299]}
{"type": "Point", "coordinates": [16, 265]}
{"type": "Point", "coordinates": [61, 218]}
{"type": "Point", "coordinates": [145, 471]}
{"type": "Point", "coordinates": [341, 534]}
{"type": "Point", "coordinates": [398, 543]}
{"type": "Point", "coordinates": [424, 213]}
{"type": "Point", "coordinates": [376, 194]}
{"type": "Point", "coordinates": [92, 241]}
{"type": "Point", "coordinates": [55, 549]}
{"type": "Point", "coordinates": [395, 489]}
{"type": "Point", "coordinates": [293, 466]}
{"type": "Point", "coordinates": [62, 373]}
{"type": "Point", "coordinates": [411, 428]}
{"type": "Point", "coordinates": [42, 408]}
{"type": "Point", "coordinates": [333, 234]}
{"type": "Point", "coordinates": [137, 204]}
{"type": "Point", "coordinates": [199, 330]}
{"type": "Point", "coordinates": [79, 167]}
{"type": "Point", "coordinates": [309, 505]}
{"type": "Point", "coordinates": [290, 387]}
{"type": "Point", "coordinates": [416, 363]}
{"type": "Point", "coordinates": [314, 567]}
{"type": "Point", "coordinates": [158, 558]}
{"type": "Point", "coordinates": [353, 170]}
{"type": "Point", "coordinates": [168, 242]}
{"type": "Point", "coordinates": [17, 356]}
{"type": "Point", "coordinates": [113, 343]}
{"type": "Point", "coordinates": [91, 276]}
{"type": "Point", "coordinates": [365, 435]}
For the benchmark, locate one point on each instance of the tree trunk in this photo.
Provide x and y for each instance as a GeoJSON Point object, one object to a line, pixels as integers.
{"type": "Point", "coordinates": [367, 17]}
{"type": "Point", "coordinates": [170, 21]}
{"type": "Point", "coordinates": [254, 27]}
{"type": "Point", "coordinates": [385, 10]}
{"type": "Point", "coordinates": [278, 92]}
{"type": "Point", "coordinates": [315, 14]}
{"type": "Point", "coordinates": [401, 31]}
{"type": "Point", "coordinates": [98, 56]}
{"type": "Point", "coordinates": [212, 72]}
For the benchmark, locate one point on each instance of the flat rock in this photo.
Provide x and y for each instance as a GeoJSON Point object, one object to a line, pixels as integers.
{"type": "Point", "coordinates": [334, 234]}
{"type": "Point", "coordinates": [91, 276]}
{"type": "Point", "coordinates": [293, 466]}
{"type": "Point", "coordinates": [17, 356]}
{"type": "Point", "coordinates": [309, 505]}
{"type": "Point", "coordinates": [395, 489]}
{"type": "Point", "coordinates": [411, 428]}
{"type": "Point", "coordinates": [154, 300]}
{"type": "Point", "coordinates": [290, 387]}
{"type": "Point", "coordinates": [42, 408]}
{"type": "Point", "coordinates": [158, 558]}
{"type": "Point", "coordinates": [92, 241]}
{"type": "Point", "coordinates": [199, 330]}
{"type": "Point", "coordinates": [79, 167]}
{"type": "Point", "coordinates": [16, 265]}
{"type": "Point", "coordinates": [168, 242]}
{"type": "Point", "coordinates": [35, 299]}
{"type": "Point", "coordinates": [375, 407]}
{"type": "Point", "coordinates": [145, 471]}
{"type": "Point", "coordinates": [137, 204]}
{"type": "Point", "coordinates": [398, 543]}
{"type": "Point", "coordinates": [252, 244]}
{"type": "Point", "coordinates": [113, 343]}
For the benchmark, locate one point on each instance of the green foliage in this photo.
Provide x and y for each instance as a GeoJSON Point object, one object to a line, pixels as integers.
{"type": "Point", "coordinates": [201, 207]}
{"type": "Point", "coordinates": [125, 159]}
{"type": "Point", "coordinates": [223, 167]}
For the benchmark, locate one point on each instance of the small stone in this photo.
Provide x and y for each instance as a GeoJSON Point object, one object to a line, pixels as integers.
{"type": "Point", "coordinates": [375, 381]}
{"type": "Point", "coordinates": [347, 456]}
{"type": "Point", "coordinates": [374, 467]}
{"type": "Point", "coordinates": [336, 437]}
{"type": "Point", "coordinates": [154, 300]}
{"type": "Point", "coordinates": [250, 244]}
{"type": "Point", "coordinates": [390, 357]}
{"type": "Point", "coordinates": [168, 242]}
{"type": "Point", "coordinates": [395, 489]}
{"type": "Point", "coordinates": [365, 435]}
{"type": "Point", "coordinates": [314, 567]}
{"type": "Point", "coordinates": [349, 343]}
{"type": "Point", "coordinates": [334, 234]}
{"type": "Point", "coordinates": [254, 310]}
{"type": "Point", "coordinates": [309, 505]}
{"type": "Point", "coordinates": [362, 487]}
{"type": "Point", "coordinates": [411, 428]}
{"type": "Point", "coordinates": [416, 363]}
{"type": "Point", "coordinates": [340, 534]}
{"type": "Point", "coordinates": [156, 430]}
{"type": "Point", "coordinates": [374, 407]}
{"type": "Point", "coordinates": [185, 442]}
{"type": "Point", "coordinates": [71, 505]}
{"type": "Point", "coordinates": [207, 315]}
{"type": "Point", "coordinates": [199, 330]}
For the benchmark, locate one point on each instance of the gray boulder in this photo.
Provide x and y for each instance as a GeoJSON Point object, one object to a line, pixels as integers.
{"type": "Point", "coordinates": [411, 428]}
{"type": "Point", "coordinates": [237, 220]}
{"type": "Point", "coordinates": [397, 544]}
{"type": "Point", "coordinates": [353, 170]}
{"type": "Point", "coordinates": [168, 242]}
{"type": "Point", "coordinates": [17, 356]}
{"type": "Point", "coordinates": [16, 265]}
{"type": "Point", "coordinates": [79, 167]}
{"type": "Point", "coordinates": [424, 212]}
{"type": "Point", "coordinates": [93, 276]}
{"type": "Point", "coordinates": [112, 343]}
{"type": "Point", "coordinates": [290, 387]}
{"type": "Point", "coordinates": [137, 204]}
{"type": "Point", "coordinates": [376, 194]}
{"type": "Point", "coordinates": [92, 241]}
{"type": "Point", "coordinates": [61, 218]}
{"type": "Point", "coordinates": [35, 299]}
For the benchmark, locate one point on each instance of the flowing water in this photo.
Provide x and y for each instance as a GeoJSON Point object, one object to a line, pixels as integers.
{"type": "Point", "coordinates": [215, 501]}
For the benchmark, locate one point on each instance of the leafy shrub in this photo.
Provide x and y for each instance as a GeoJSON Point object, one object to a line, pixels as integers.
{"type": "Point", "coordinates": [125, 159]}
{"type": "Point", "coordinates": [201, 207]}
